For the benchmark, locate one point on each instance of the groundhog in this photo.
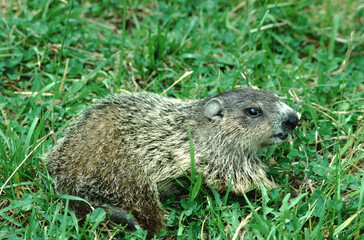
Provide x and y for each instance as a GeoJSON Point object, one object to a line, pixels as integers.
{"type": "Point", "coordinates": [124, 152]}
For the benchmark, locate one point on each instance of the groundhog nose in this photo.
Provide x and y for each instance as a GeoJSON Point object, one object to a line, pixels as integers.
{"type": "Point", "coordinates": [290, 124]}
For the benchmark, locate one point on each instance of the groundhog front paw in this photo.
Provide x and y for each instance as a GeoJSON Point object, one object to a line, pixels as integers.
{"type": "Point", "coordinates": [268, 184]}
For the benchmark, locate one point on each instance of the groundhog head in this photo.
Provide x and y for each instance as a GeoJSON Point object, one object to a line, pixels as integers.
{"type": "Point", "coordinates": [259, 118]}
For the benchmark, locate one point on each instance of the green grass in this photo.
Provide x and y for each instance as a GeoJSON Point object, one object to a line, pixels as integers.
{"type": "Point", "coordinates": [56, 58]}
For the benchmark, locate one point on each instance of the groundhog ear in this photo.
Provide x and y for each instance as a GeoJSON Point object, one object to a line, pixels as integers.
{"type": "Point", "coordinates": [213, 109]}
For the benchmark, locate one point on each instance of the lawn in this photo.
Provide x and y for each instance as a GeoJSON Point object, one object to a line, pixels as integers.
{"type": "Point", "coordinates": [56, 57]}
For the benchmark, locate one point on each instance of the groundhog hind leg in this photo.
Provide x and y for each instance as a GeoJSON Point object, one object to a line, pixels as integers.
{"type": "Point", "coordinates": [132, 192]}
{"type": "Point", "coordinates": [119, 216]}
{"type": "Point", "coordinates": [114, 214]}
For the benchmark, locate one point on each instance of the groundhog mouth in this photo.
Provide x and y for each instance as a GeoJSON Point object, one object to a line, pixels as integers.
{"type": "Point", "coordinates": [281, 136]}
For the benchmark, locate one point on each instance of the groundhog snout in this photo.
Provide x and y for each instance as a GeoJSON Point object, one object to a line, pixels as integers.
{"type": "Point", "coordinates": [290, 123]}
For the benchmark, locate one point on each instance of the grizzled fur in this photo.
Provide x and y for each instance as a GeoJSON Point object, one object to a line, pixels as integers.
{"type": "Point", "coordinates": [120, 153]}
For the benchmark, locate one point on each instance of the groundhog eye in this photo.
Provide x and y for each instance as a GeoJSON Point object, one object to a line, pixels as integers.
{"type": "Point", "coordinates": [253, 112]}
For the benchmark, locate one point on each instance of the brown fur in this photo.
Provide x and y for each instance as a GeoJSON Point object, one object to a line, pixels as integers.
{"type": "Point", "coordinates": [120, 153]}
